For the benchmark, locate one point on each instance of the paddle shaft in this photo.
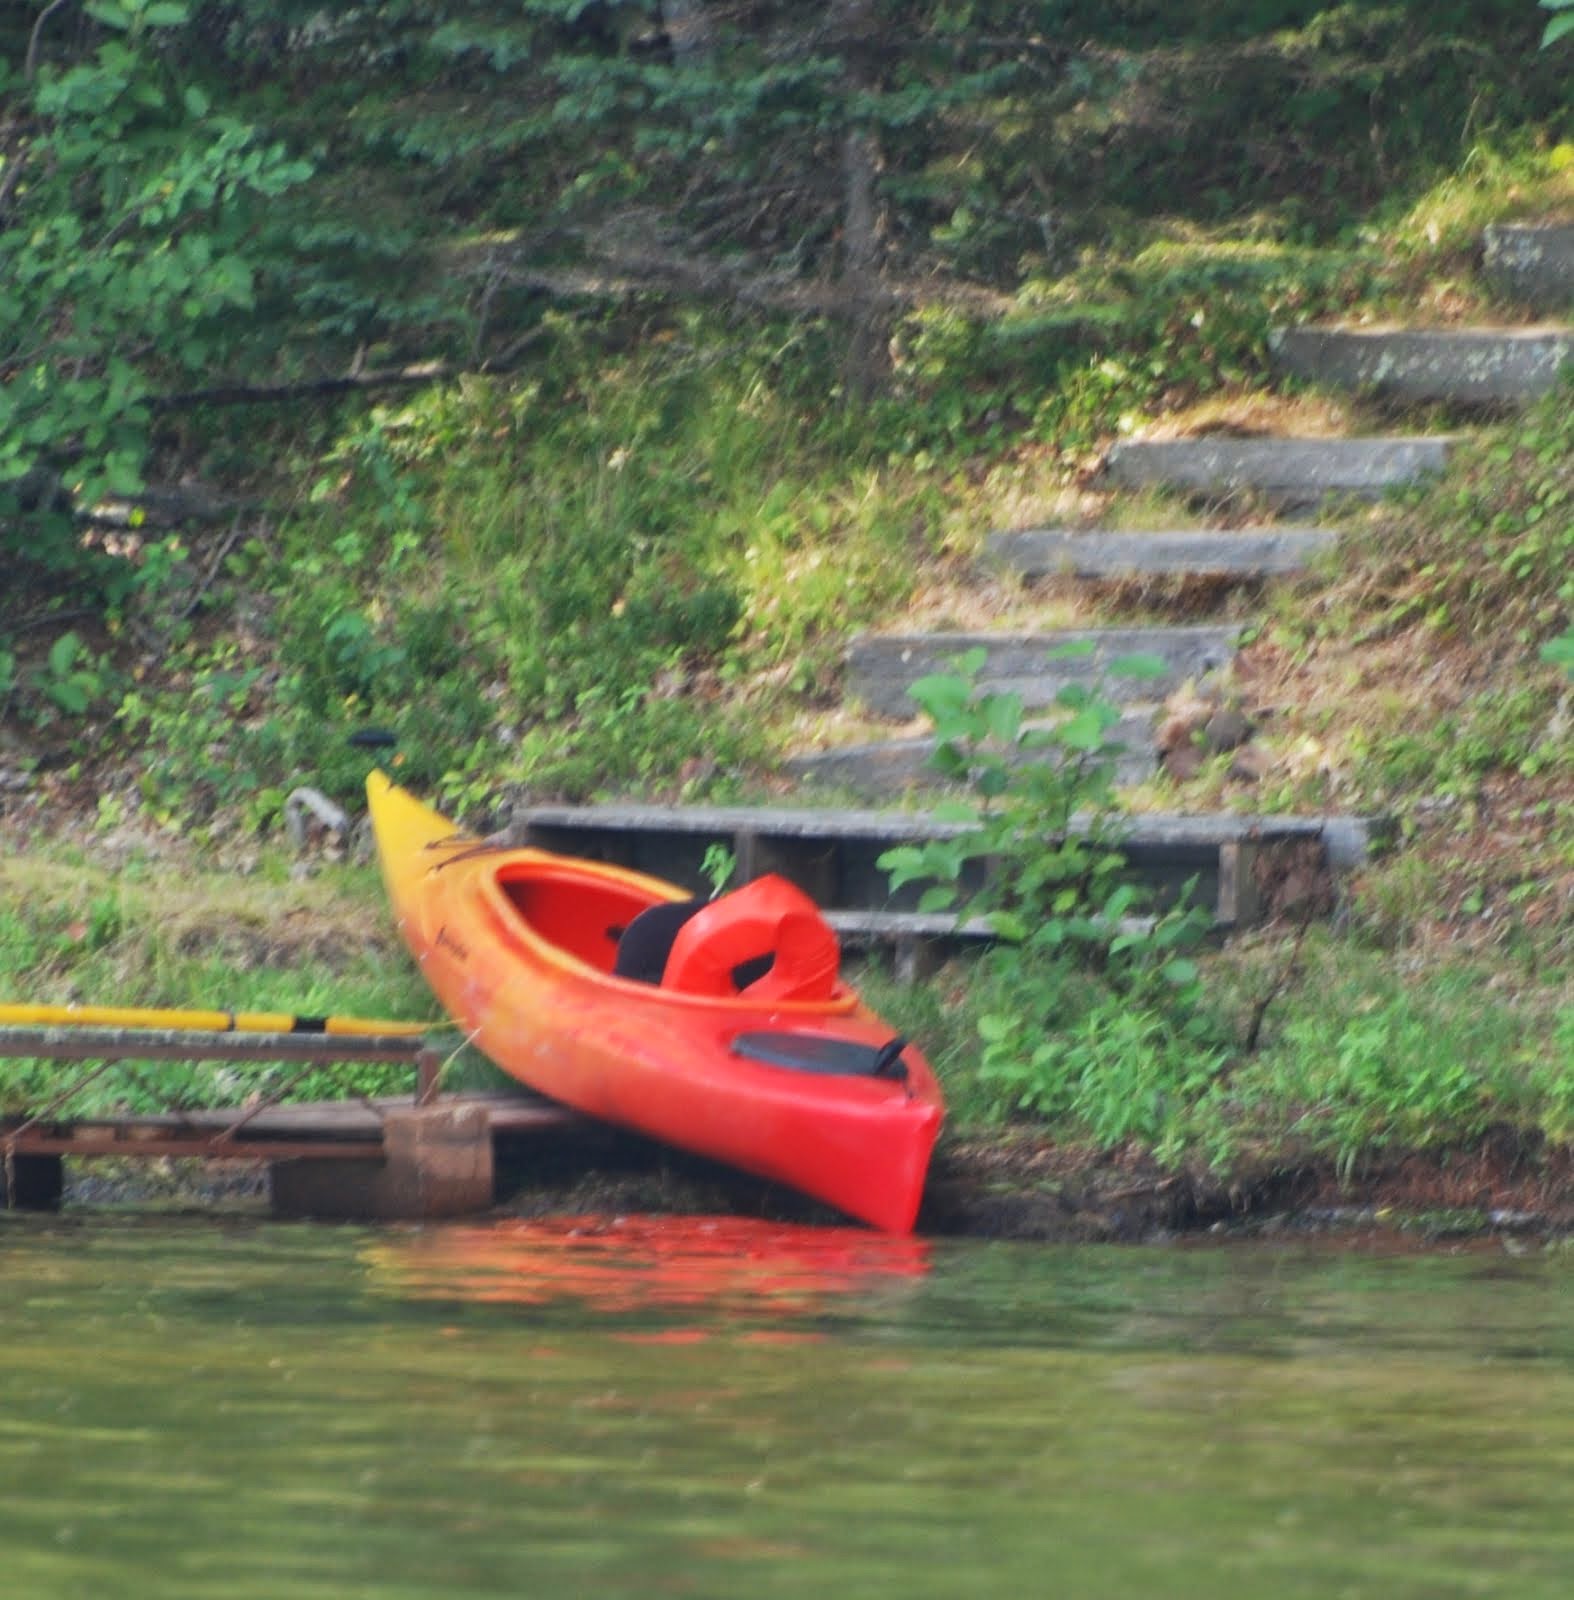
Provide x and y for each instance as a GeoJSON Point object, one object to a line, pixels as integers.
{"type": "Point", "coordinates": [29, 1016]}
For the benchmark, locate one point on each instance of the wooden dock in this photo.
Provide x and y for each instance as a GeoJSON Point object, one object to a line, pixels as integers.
{"type": "Point", "coordinates": [425, 1154]}
{"type": "Point", "coordinates": [326, 1130]}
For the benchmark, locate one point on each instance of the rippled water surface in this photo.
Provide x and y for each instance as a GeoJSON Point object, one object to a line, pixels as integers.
{"type": "Point", "coordinates": [700, 1407]}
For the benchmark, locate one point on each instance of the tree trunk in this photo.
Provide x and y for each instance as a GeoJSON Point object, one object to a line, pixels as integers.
{"type": "Point", "coordinates": [856, 26]}
{"type": "Point", "coordinates": [867, 357]}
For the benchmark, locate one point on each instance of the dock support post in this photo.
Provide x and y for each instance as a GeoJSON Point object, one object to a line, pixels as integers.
{"type": "Point", "coordinates": [437, 1163]}
{"type": "Point", "coordinates": [428, 1075]}
{"type": "Point", "coordinates": [31, 1183]}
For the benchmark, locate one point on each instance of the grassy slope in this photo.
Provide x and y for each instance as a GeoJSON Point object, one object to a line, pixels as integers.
{"type": "Point", "coordinates": [635, 566]}
{"type": "Point", "coordinates": [1443, 1004]}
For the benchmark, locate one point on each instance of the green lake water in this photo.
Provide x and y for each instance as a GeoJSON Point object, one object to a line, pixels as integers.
{"type": "Point", "coordinates": [654, 1407]}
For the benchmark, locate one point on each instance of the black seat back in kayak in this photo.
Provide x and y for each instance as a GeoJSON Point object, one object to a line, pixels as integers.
{"type": "Point", "coordinates": [643, 946]}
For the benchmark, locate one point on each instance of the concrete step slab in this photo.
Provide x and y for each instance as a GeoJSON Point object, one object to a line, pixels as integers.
{"type": "Point", "coordinates": [1283, 471]}
{"type": "Point", "coordinates": [888, 769]}
{"type": "Point", "coordinates": [882, 667]}
{"type": "Point", "coordinates": [1532, 262]}
{"type": "Point", "coordinates": [1455, 366]}
{"type": "Point", "coordinates": [1192, 552]}
{"type": "Point", "coordinates": [1240, 864]}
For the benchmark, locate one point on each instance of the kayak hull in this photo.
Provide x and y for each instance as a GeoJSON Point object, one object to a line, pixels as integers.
{"type": "Point", "coordinates": [518, 946]}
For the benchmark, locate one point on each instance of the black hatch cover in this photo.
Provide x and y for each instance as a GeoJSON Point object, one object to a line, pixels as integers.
{"type": "Point", "coordinates": [814, 1053]}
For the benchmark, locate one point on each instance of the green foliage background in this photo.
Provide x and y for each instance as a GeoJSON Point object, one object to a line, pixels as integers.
{"type": "Point", "coordinates": [201, 193]}
{"type": "Point", "coordinates": [610, 510]}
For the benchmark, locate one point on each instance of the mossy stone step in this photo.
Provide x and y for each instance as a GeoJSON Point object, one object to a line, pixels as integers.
{"type": "Point", "coordinates": [881, 668]}
{"type": "Point", "coordinates": [888, 769]}
{"type": "Point", "coordinates": [1457, 366]}
{"type": "Point", "coordinates": [1189, 552]}
{"type": "Point", "coordinates": [1283, 471]}
{"type": "Point", "coordinates": [1532, 262]}
{"type": "Point", "coordinates": [1240, 864]}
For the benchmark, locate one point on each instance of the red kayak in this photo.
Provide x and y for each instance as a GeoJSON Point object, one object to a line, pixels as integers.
{"type": "Point", "coordinates": [721, 1027]}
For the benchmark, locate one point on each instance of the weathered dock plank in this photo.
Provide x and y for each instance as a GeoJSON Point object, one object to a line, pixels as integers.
{"type": "Point", "coordinates": [413, 1156]}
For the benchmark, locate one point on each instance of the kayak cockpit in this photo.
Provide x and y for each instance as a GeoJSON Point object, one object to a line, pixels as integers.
{"type": "Point", "coordinates": [580, 915]}
{"type": "Point", "coordinates": [766, 941]}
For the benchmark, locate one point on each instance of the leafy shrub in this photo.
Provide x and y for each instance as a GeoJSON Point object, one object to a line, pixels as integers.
{"type": "Point", "coordinates": [1092, 1010]}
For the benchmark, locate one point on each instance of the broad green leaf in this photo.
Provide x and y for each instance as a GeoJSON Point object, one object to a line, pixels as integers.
{"type": "Point", "coordinates": [993, 1028]}
{"type": "Point", "coordinates": [1008, 925]}
{"type": "Point", "coordinates": [1085, 731]}
{"type": "Point", "coordinates": [1120, 901]}
{"type": "Point", "coordinates": [69, 695]}
{"type": "Point", "coordinates": [63, 654]}
{"type": "Point", "coordinates": [903, 864]}
{"type": "Point", "coordinates": [1003, 715]}
{"type": "Point", "coordinates": [950, 761]}
{"type": "Point", "coordinates": [1142, 665]}
{"type": "Point", "coordinates": [940, 693]}
{"type": "Point", "coordinates": [954, 811]}
{"type": "Point", "coordinates": [111, 13]}
{"type": "Point", "coordinates": [992, 780]}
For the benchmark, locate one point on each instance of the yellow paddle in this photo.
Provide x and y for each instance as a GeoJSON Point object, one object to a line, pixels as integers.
{"type": "Point", "coordinates": [75, 1016]}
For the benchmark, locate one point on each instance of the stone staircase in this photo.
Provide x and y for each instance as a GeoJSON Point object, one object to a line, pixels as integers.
{"type": "Point", "coordinates": [1246, 867]}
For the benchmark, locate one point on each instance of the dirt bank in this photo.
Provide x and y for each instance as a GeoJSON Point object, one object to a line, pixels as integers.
{"type": "Point", "coordinates": [1002, 1186]}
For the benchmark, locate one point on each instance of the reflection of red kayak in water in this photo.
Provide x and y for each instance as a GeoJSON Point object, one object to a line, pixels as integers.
{"type": "Point", "coordinates": [626, 1264]}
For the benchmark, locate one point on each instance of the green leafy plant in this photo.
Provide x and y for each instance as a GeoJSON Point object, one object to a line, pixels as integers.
{"type": "Point", "coordinates": [1393, 1069]}
{"type": "Point", "coordinates": [1560, 652]}
{"type": "Point", "coordinates": [71, 679]}
{"type": "Point", "coordinates": [1092, 990]}
{"type": "Point", "coordinates": [718, 866]}
{"type": "Point", "coordinates": [132, 197]}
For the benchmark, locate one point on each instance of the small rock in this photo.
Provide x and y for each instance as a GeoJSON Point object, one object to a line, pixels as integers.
{"type": "Point", "coordinates": [1185, 761]}
{"type": "Point", "coordinates": [1226, 729]}
{"type": "Point", "coordinates": [1185, 716]}
{"type": "Point", "coordinates": [1250, 764]}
